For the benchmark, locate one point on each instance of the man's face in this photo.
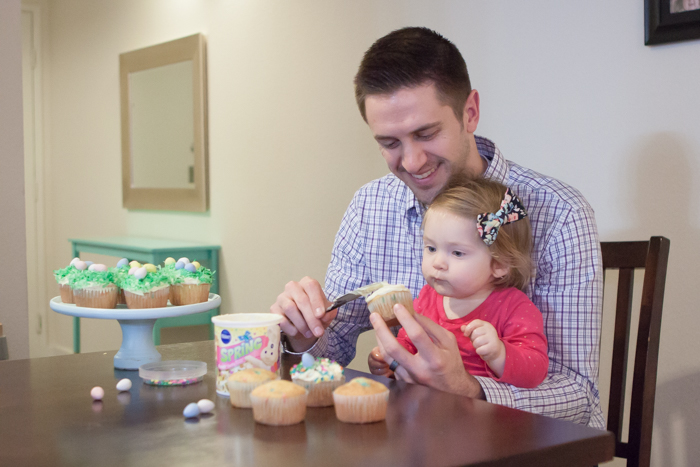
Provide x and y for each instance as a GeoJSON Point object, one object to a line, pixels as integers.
{"type": "Point", "coordinates": [422, 140]}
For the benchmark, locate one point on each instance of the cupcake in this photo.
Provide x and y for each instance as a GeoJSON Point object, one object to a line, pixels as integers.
{"type": "Point", "coordinates": [362, 400]}
{"type": "Point", "coordinates": [190, 281]}
{"type": "Point", "coordinates": [93, 286]}
{"type": "Point", "coordinates": [382, 301]}
{"type": "Point", "coordinates": [279, 403]}
{"type": "Point", "coordinates": [320, 377]}
{"type": "Point", "coordinates": [62, 277]}
{"type": "Point", "coordinates": [120, 273]}
{"type": "Point", "coordinates": [146, 287]}
{"type": "Point", "coordinates": [242, 382]}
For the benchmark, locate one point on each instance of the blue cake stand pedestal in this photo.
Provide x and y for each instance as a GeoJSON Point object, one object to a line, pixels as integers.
{"type": "Point", "coordinates": [137, 326]}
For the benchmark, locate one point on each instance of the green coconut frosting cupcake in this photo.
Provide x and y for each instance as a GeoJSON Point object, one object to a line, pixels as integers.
{"type": "Point", "coordinates": [191, 281]}
{"type": "Point", "coordinates": [146, 287]}
{"type": "Point", "coordinates": [62, 277]}
{"type": "Point", "coordinates": [93, 286]}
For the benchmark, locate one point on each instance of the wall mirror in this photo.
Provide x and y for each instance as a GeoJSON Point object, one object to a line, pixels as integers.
{"type": "Point", "coordinates": [164, 126]}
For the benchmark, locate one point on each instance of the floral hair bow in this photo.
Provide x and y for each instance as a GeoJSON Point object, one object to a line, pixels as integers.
{"type": "Point", "coordinates": [488, 223]}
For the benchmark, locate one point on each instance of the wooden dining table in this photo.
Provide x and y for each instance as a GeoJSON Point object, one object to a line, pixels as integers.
{"type": "Point", "coordinates": [47, 417]}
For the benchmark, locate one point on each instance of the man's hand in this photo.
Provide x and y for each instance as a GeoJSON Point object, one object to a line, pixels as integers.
{"type": "Point", "coordinates": [487, 344]}
{"type": "Point", "coordinates": [303, 306]}
{"type": "Point", "coordinates": [437, 364]}
{"type": "Point", "coordinates": [377, 365]}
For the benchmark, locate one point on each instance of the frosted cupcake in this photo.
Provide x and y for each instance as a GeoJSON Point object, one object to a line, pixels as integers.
{"type": "Point", "coordinates": [382, 301]}
{"type": "Point", "coordinates": [93, 286]}
{"type": "Point", "coordinates": [279, 403]}
{"type": "Point", "coordinates": [241, 384]}
{"type": "Point", "coordinates": [62, 277]}
{"type": "Point", "coordinates": [320, 377]}
{"type": "Point", "coordinates": [120, 274]}
{"type": "Point", "coordinates": [146, 287]}
{"type": "Point", "coordinates": [362, 400]}
{"type": "Point", "coordinates": [190, 281]}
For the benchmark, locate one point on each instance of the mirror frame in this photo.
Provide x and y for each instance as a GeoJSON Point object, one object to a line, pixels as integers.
{"type": "Point", "coordinates": [172, 199]}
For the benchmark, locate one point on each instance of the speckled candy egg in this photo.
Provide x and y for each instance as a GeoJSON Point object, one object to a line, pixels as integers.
{"type": "Point", "coordinates": [192, 410]}
{"type": "Point", "coordinates": [140, 273]}
{"type": "Point", "coordinates": [184, 260]}
{"type": "Point", "coordinates": [124, 384]}
{"type": "Point", "coordinates": [89, 263]}
{"type": "Point", "coordinates": [73, 261]}
{"type": "Point", "coordinates": [190, 267]}
{"type": "Point", "coordinates": [132, 271]}
{"type": "Point", "coordinates": [122, 262]}
{"type": "Point", "coordinates": [150, 267]}
{"type": "Point", "coordinates": [169, 261]}
{"type": "Point", "coordinates": [80, 265]}
{"type": "Point", "coordinates": [179, 265]}
{"type": "Point", "coordinates": [205, 406]}
{"type": "Point", "coordinates": [196, 264]}
{"type": "Point", "coordinates": [97, 267]}
{"type": "Point", "coordinates": [307, 360]}
{"type": "Point", "coordinates": [97, 393]}
{"type": "Point", "coordinates": [135, 264]}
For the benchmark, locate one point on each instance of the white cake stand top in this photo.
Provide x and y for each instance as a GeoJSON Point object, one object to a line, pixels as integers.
{"type": "Point", "coordinates": [122, 312]}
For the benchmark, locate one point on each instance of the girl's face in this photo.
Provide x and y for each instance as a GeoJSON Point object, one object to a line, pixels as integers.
{"type": "Point", "coordinates": [456, 262]}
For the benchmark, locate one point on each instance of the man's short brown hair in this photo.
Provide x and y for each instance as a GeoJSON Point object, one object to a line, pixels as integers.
{"type": "Point", "coordinates": [412, 57]}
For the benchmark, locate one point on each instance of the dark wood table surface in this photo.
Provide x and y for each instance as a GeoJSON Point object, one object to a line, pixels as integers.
{"type": "Point", "coordinates": [48, 418]}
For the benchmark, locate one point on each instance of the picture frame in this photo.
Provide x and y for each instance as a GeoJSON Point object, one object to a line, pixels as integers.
{"type": "Point", "coordinates": [671, 21]}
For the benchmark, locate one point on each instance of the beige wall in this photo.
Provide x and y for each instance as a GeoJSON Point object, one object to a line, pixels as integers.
{"type": "Point", "coordinates": [13, 273]}
{"type": "Point", "coordinates": [567, 88]}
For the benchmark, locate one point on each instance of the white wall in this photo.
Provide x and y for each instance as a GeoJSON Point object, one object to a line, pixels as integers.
{"type": "Point", "coordinates": [567, 88]}
{"type": "Point", "coordinates": [13, 273]}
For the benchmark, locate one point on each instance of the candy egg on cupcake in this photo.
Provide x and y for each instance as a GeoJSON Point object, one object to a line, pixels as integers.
{"type": "Point", "coordinates": [320, 376]}
{"type": "Point", "coordinates": [121, 271]}
{"type": "Point", "coordinates": [93, 285]}
{"type": "Point", "coordinates": [146, 286]}
{"type": "Point", "coordinates": [62, 277]}
{"type": "Point", "coordinates": [190, 281]}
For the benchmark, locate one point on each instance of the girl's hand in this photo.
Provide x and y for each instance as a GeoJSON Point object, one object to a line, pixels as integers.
{"type": "Point", "coordinates": [377, 365]}
{"type": "Point", "coordinates": [487, 344]}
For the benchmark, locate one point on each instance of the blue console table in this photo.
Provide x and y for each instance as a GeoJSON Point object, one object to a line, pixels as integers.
{"type": "Point", "coordinates": [154, 251]}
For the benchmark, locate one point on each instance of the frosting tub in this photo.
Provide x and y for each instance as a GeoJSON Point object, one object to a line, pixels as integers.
{"type": "Point", "coordinates": [245, 340]}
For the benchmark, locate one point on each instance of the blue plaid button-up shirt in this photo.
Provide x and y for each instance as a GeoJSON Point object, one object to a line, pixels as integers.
{"type": "Point", "coordinates": [380, 238]}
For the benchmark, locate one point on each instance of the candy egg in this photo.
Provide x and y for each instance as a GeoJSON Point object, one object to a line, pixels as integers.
{"type": "Point", "coordinates": [307, 360]}
{"type": "Point", "coordinates": [192, 410]}
{"type": "Point", "coordinates": [184, 260]}
{"type": "Point", "coordinates": [150, 267]}
{"type": "Point", "coordinates": [97, 393]}
{"type": "Point", "coordinates": [97, 267]}
{"type": "Point", "coordinates": [135, 264]}
{"type": "Point", "coordinates": [132, 271]}
{"type": "Point", "coordinates": [190, 267]}
{"type": "Point", "coordinates": [205, 406]}
{"type": "Point", "coordinates": [179, 265]}
{"type": "Point", "coordinates": [80, 265]}
{"type": "Point", "coordinates": [122, 262]}
{"type": "Point", "coordinates": [124, 384]}
{"type": "Point", "coordinates": [73, 261]}
{"type": "Point", "coordinates": [196, 264]}
{"type": "Point", "coordinates": [89, 263]}
{"type": "Point", "coordinates": [169, 261]}
{"type": "Point", "coordinates": [140, 273]}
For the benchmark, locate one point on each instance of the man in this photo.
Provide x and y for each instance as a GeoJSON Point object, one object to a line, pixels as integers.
{"type": "Point", "coordinates": [413, 90]}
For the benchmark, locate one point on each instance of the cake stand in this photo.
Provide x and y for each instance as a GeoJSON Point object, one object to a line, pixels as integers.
{"type": "Point", "coordinates": [137, 326]}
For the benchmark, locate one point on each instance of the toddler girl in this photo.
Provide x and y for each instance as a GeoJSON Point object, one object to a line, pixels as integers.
{"type": "Point", "coordinates": [476, 262]}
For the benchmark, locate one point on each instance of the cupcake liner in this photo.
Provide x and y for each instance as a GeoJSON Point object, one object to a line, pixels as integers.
{"type": "Point", "coordinates": [239, 392]}
{"type": "Point", "coordinates": [105, 297]}
{"type": "Point", "coordinates": [361, 409]}
{"type": "Point", "coordinates": [384, 305]}
{"type": "Point", "coordinates": [279, 411]}
{"type": "Point", "coordinates": [66, 293]}
{"type": "Point", "coordinates": [320, 393]}
{"type": "Point", "coordinates": [121, 300]}
{"type": "Point", "coordinates": [157, 299]}
{"type": "Point", "coordinates": [188, 294]}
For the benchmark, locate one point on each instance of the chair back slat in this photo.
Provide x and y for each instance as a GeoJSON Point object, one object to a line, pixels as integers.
{"type": "Point", "coordinates": [628, 256]}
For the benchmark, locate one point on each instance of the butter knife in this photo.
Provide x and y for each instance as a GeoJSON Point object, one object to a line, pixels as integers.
{"type": "Point", "coordinates": [355, 294]}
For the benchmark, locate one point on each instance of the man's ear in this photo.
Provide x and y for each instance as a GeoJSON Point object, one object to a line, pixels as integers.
{"type": "Point", "coordinates": [470, 116]}
{"type": "Point", "coordinates": [498, 269]}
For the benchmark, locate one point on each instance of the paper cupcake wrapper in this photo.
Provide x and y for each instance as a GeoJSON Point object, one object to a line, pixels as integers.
{"type": "Point", "coordinates": [189, 294]}
{"type": "Point", "coordinates": [279, 411]}
{"type": "Point", "coordinates": [157, 299]}
{"type": "Point", "coordinates": [121, 300]}
{"type": "Point", "coordinates": [384, 304]}
{"type": "Point", "coordinates": [361, 409]}
{"type": "Point", "coordinates": [320, 393]}
{"type": "Point", "coordinates": [66, 293]}
{"type": "Point", "coordinates": [96, 298]}
{"type": "Point", "coordinates": [239, 392]}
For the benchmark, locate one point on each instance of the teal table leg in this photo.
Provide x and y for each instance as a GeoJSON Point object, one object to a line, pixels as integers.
{"type": "Point", "coordinates": [76, 320]}
{"type": "Point", "coordinates": [215, 287]}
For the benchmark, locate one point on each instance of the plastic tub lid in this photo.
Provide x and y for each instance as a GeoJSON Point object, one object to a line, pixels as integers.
{"type": "Point", "coordinates": [173, 370]}
{"type": "Point", "coordinates": [235, 320]}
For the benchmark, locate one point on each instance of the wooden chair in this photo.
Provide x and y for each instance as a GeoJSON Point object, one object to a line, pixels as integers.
{"type": "Point", "coordinates": [652, 256]}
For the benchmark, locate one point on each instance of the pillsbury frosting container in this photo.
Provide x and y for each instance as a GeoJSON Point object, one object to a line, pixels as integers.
{"type": "Point", "coordinates": [245, 340]}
